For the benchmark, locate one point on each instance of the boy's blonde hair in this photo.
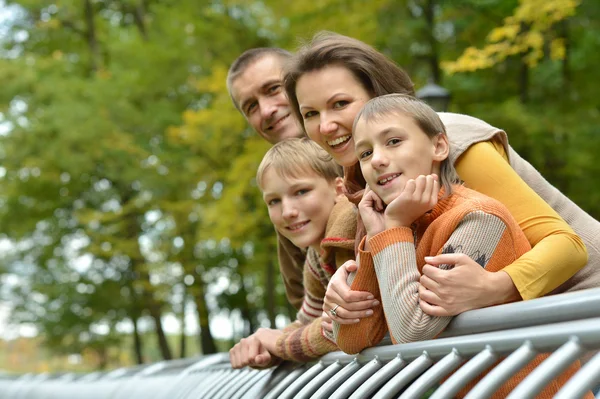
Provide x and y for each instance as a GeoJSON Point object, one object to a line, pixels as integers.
{"type": "Point", "coordinates": [298, 156]}
{"type": "Point", "coordinates": [424, 116]}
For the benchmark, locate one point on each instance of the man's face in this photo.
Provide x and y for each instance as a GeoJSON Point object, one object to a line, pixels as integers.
{"type": "Point", "coordinates": [259, 93]}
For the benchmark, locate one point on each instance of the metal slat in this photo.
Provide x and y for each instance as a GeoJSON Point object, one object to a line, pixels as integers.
{"type": "Point", "coordinates": [255, 385]}
{"type": "Point", "coordinates": [432, 376]}
{"type": "Point", "coordinates": [318, 381]}
{"type": "Point", "coordinates": [354, 381]}
{"type": "Point", "coordinates": [584, 380]}
{"type": "Point", "coordinates": [279, 388]}
{"type": "Point", "coordinates": [556, 363]}
{"type": "Point", "coordinates": [241, 379]}
{"type": "Point", "coordinates": [502, 372]}
{"type": "Point", "coordinates": [457, 381]}
{"type": "Point", "coordinates": [249, 384]}
{"type": "Point", "coordinates": [379, 378]}
{"type": "Point", "coordinates": [334, 382]}
{"type": "Point", "coordinates": [304, 379]}
{"type": "Point", "coordinates": [212, 389]}
{"type": "Point", "coordinates": [409, 373]}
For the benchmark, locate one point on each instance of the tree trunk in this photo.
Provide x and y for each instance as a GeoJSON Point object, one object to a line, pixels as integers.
{"type": "Point", "coordinates": [137, 341]}
{"type": "Point", "coordinates": [207, 341]}
{"type": "Point", "coordinates": [91, 34]}
{"type": "Point", "coordinates": [138, 17]}
{"type": "Point", "coordinates": [247, 315]}
{"type": "Point", "coordinates": [163, 344]}
{"type": "Point", "coordinates": [566, 70]}
{"type": "Point", "coordinates": [524, 82]}
{"type": "Point", "coordinates": [270, 280]}
{"type": "Point", "coordinates": [434, 61]}
{"type": "Point", "coordinates": [182, 338]}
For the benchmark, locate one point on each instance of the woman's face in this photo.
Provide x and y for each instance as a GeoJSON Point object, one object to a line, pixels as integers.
{"type": "Point", "coordinates": [329, 99]}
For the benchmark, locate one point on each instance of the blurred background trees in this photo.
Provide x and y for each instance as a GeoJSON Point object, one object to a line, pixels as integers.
{"type": "Point", "coordinates": [128, 208]}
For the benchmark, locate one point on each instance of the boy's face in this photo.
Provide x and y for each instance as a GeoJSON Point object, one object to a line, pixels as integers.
{"type": "Point", "coordinates": [393, 150]}
{"type": "Point", "coordinates": [299, 207]}
{"type": "Point", "coordinates": [259, 93]}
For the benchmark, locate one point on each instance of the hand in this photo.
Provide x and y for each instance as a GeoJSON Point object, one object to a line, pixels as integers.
{"type": "Point", "coordinates": [326, 322]}
{"type": "Point", "coordinates": [371, 212]}
{"type": "Point", "coordinates": [419, 196]}
{"type": "Point", "coordinates": [256, 350]}
{"type": "Point", "coordinates": [465, 287]}
{"type": "Point", "coordinates": [354, 305]}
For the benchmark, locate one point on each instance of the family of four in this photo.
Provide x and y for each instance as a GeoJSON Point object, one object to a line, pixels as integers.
{"type": "Point", "coordinates": [390, 217]}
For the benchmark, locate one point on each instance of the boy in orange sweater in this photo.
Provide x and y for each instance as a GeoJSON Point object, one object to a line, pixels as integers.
{"type": "Point", "coordinates": [413, 208]}
{"type": "Point", "coordinates": [302, 187]}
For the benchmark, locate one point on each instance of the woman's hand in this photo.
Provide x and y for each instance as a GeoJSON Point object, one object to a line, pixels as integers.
{"type": "Point", "coordinates": [256, 350]}
{"type": "Point", "coordinates": [371, 209]}
{"type": "Point", "coordinates": [467, 286]}
{"type": "Point", "coordinates": [419, 196]}
{"type": "Point", "coordinates": [350, 306]}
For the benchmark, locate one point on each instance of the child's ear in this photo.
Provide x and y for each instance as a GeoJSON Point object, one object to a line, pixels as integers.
{"type": "Point", "coordinates": [339, 186]}
{"type": "Point", "coordinates": [441, 147]}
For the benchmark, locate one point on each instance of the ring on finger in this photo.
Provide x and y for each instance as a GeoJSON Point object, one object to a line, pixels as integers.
{"type": "Point", "coordinates": [333, 312]}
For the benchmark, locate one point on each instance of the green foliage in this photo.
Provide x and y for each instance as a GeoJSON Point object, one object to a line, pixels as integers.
{"type": "Point", "coordinates": [127, 176]}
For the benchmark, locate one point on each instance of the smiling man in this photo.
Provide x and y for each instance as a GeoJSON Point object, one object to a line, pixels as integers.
{"type": "Point", "coordinates": [254, 84]}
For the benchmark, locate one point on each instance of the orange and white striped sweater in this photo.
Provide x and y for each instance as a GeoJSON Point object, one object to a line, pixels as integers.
{"type": "Point", "coordinates": [464, 222]}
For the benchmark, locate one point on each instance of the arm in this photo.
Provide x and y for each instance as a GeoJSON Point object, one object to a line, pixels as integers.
{"type": "Point", "coordinates": [305, 339]}
{"type": "Point", "coordinates": [479, 234]}
{"type": "Point", "coordinates": [369, 331]}
{"type": "Point", "coordinates": [557, 253]}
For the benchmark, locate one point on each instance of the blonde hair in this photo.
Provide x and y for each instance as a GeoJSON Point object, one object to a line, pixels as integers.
{"type": "Point", "coordinates": [298, 156]}
{"type": "Point", "coordinates": [424, 116]}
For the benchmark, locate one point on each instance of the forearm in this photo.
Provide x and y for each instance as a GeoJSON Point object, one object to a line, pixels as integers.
{"type": "Point", "coordinates": [304, 342]}
{"type": "Point", "coordinates": [557, 253]}
{"type": "Point", "coordinates": [369, 331]}
{"type": "Point", "coordinates": [398, 275]}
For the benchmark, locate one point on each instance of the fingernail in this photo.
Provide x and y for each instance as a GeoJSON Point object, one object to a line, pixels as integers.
{"type": "Point", "coordinates": [428, 258]}
{"type": "Point", "coordinates": [369, 312]}
{"type": "Point", "coordinates": [370, 297]}
{"type": "Point", "coordinates": [356, 321]}
{"type": "Point", "coordinates": [375, 303]}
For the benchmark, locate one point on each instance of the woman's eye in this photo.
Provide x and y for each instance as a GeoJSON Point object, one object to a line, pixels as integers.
{"type": "Point", "coordinates": [309, 114]}
{"type": "Point", "coordinates": [340, 104]}
{"type": "Point", "coordinates": [364, 154]}
{"type": "Point", "coordinates": [394, 141]}
{"type": "Point", "coordinates": [272, 202]}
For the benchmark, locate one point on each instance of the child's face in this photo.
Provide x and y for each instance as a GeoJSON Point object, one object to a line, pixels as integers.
{"type": "Point", "coordinates": [299, 207]}
{"type": "Point", "coordinates": [394, 150]}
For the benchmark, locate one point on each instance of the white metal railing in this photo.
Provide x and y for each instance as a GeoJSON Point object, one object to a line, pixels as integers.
{"type": "Point", "coordinates": [567, 326]}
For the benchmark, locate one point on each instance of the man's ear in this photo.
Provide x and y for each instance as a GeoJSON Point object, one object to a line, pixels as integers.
{"type": "Point", "coordinates": [441, 149]}
{"type": "Point", "coordinates": [339, 186]}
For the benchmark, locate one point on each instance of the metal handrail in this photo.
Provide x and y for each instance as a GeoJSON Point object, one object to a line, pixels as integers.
{"type": "Point", "coordinates": [564, 326]}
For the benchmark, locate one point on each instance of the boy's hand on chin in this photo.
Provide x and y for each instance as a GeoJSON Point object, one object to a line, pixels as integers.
{"type": "Point", "coordinates": [419, 196]}
{"type": "Point", "coordinates": [371, 209]}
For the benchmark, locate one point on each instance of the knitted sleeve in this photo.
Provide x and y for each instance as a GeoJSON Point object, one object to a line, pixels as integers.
{"type": "Point", "coordinates": [353, 338]}
{"type": "Point", "coordinates": [482, 236]}
{"type": "Point", "coordinates": [304, 339]}
{"type": "Point", "coordinates": [557, 253]}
